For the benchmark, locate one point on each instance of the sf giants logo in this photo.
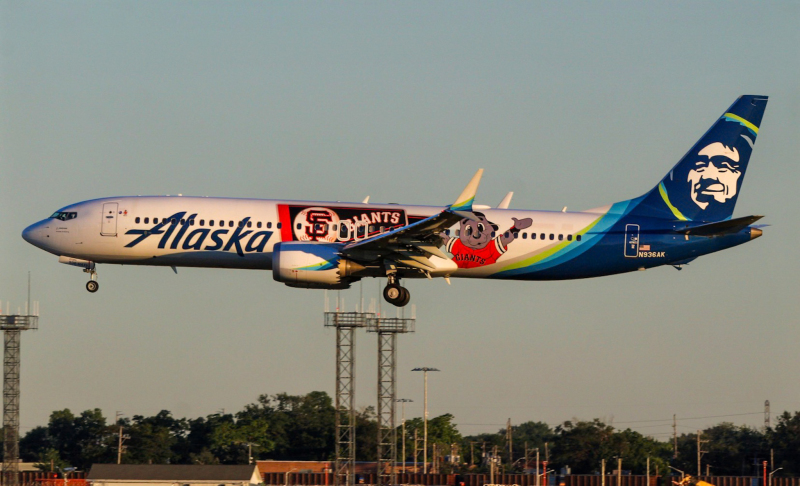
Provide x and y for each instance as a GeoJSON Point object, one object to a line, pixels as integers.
{"type": "Point", "coordinates": [318, 221]}
{"type": "Point", "coordinates": [316, 224]}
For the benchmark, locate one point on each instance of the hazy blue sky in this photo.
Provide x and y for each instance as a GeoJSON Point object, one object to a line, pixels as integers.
{"type": "Point", "coordinates": [564, 103]}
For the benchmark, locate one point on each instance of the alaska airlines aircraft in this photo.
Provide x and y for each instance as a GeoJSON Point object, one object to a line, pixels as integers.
{"type": "Point", "coordinates": [330, 245]}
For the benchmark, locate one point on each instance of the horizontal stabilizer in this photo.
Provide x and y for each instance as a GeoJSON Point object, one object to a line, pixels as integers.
{"type": "Point", "coordinates": [506, 201]}
{"type": "Point", "coordinates": [720, 228]}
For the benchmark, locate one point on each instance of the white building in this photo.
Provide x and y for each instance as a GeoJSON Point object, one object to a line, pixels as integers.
{"type": "Point", "coordinates": [172, 475]}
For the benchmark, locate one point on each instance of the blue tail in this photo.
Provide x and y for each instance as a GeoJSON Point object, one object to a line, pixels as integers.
{"type": "Point", "coordinates": [705, 184]}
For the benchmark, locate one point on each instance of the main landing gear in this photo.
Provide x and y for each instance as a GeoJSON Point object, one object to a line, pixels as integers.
{"type": "Point", "coordinates": [92, 284]}
{"type": "Point", "coordinates": [396, 294]}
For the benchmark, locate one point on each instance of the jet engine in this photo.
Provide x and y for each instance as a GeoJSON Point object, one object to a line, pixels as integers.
{"type": "Point", "coordinates": [312, 265]}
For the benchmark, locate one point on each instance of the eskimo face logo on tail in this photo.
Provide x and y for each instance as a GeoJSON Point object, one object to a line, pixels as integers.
{"type": "Point", "coordinates": [715, 176]}
{"type": "Point", "coordinates": [241, 240]}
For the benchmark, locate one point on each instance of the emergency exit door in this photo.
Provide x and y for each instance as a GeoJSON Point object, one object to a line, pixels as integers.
{"type": "Point", "coordinates": [631, 240]}
{"type": "Point", "coordinates": [108, 226]}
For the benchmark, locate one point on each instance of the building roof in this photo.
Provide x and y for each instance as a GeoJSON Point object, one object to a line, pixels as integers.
{"type": "Point", "coordinates": [170, 472]}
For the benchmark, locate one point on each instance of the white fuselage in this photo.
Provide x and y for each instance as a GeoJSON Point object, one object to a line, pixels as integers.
{"type": "Point", "coordinates": [241, 233]}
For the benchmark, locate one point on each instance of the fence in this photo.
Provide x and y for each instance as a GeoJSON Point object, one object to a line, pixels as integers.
{"type": "Point", "coordinates": [326, 479]}
{"type": "Point", "coordinates": [42, 478]}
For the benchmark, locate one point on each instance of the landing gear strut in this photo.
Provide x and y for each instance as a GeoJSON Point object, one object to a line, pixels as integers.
{"type": "Point", "coordinates": [92, 284]}
{"type": "Point", "coordinates": [396, 294]}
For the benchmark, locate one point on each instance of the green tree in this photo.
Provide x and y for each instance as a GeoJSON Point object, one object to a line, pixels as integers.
{"type": "Point", "coordinates": [152, 439]}
{"type": "Point", "coordinates": [785, 439]}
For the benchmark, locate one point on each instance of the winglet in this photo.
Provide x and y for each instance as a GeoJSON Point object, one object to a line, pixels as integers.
{"type": "Point", "coordinates": [464, 201]}
{"type": "Point", "coordinates": [506, 201]}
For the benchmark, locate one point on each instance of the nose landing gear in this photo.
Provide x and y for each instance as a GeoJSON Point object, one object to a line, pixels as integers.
{"type": "Point", "coordinates": [395, 294]}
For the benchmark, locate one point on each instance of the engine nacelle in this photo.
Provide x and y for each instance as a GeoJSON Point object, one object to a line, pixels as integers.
{"type": "Point", "coordinates": [312, 265]}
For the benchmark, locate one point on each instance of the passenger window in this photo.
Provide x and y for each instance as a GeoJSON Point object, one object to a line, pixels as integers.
{"type": "Point", "coordinates": [524, 236]}
{"type": "Point", "coordinates": [533, 236]}
{"type": "Point", "coordinates": [269, 224]}
{"type": "Point", "coordinates": [552, 236]}
{"type": "Point", "coordinates": [146, 220]}
{"type": "Point", "coordinates": [542, 236]}
{"type": "Point", "coordinates": [250, 224]}
{"type": "Point", "coordinates": [211, 222]}
{"type": "Point", "coordinates": [560, 237]}
{"type": "Point", "coordinates": [578, 237]}
{"type": "Point", "coordinates": [299, 226]}
{"type": "Point", "coordinates": [258, 225]}
{"type": "Point", "coordinates": [230, 224]}
{"type": "Point", "coordinates": [202, 222]}
{"type": "Point", "coordinates": [569, 237]}
{"type": "Point", "coordinates": [155, 220]}
{"type": "Point", "coordinates": [191, 222]}
{"type": "Point", "coordinates": [172, 220]}
{"type": "Point", "coordinates": [137, 220]}
{"type": "Point", "coordinates": [278, 226]}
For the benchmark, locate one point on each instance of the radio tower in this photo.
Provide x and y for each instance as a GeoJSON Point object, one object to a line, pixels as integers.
{"type": "Point", "coordinates": [345, 453]}
{"type": "Point", "coordinates": [387, 329]}
{"type": "Point", "coordinates": [12, 326]}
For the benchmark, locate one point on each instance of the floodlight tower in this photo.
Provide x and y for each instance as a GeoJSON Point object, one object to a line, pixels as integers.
{"type": "Point", "coordinates": [12, 326]}
{"type": "Point", "coordinates": [345, 323]}
{"type": "Point", "coordinates": [387, 329]}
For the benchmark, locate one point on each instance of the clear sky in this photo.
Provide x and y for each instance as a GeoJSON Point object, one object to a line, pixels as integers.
{"type": "Point", "coordinates": [565, 103]}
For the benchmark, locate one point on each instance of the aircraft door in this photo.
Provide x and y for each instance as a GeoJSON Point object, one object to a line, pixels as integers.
{"type": "Point", "coordinates": [631, 240]}
{"type": "Point", "coordinates": [108, 226]}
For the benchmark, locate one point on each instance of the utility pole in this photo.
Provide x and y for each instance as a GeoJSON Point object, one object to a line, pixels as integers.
{"type": "Point", "coordinates": [766, 415]}
{"type": "Point", "coordinates": [648, 471]}
{"type": "Point", "coordinates": [472, 453]}
{"type": "Point", "coordinates": [509, 443]}
{"type": "Point", "coordinates": [619, 471]}
{"type": "Point", "coordinates": [119, 443]}
{"type": "Point", "coordinates": [537, 466]}
{"type": "Point", "coordinates": [602, 472]}
{"type": "Point", "coordinates": [403, 402]}
{"type": "Point", "coordinates": [525, 466]}
{"type": "Point", "coordinates": [425, 371]}
{"type": "Point", "coordinates": [674, 436]}
{"type": "Point", "coordinates": [700, 452]}
{"type": "Point", "coordinates": [416, 449]}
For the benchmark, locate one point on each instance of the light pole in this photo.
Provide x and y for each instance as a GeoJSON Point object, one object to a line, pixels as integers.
{"type": "Point", "coordinates": [683, 474]}
{"type": "Point", "coordinates": [403, 402]}
{"type": "Point", "coordinates": [286, 482]}
{"type": "Point", "coordinates": [773, 472]}
{"type": "Point", "coordinates": [66, 472]}
{"type": "Point", "coordinates": [425, 371]}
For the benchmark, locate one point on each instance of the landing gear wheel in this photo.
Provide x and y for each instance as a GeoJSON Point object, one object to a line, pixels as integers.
{"type": "Point", "coordinates": [405, 299]}
{"type": "Point", "coordinates": [92, 286]}
{"type": "Point", "coordinates": [396, 295]}
{"type": "Point", "coordinates": [393, 293]}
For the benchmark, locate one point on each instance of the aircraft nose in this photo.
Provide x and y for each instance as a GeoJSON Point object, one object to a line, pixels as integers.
{"type": "Point", "coordinates": [32, 234]}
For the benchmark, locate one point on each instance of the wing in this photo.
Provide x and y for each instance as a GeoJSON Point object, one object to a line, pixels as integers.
{"type": "Point", "coordinates": [416, 246]}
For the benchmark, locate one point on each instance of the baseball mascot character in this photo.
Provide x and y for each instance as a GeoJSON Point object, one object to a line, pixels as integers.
{"type": "Point", "coordinates": [477, 244]}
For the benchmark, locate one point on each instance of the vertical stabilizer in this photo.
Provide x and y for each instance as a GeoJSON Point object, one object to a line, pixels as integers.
{"type": "Point", "coordinates": [704, 185]}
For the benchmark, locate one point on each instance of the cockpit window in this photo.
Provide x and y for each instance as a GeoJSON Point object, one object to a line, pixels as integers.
{"type": "Point", "coordinates": [64, 215]}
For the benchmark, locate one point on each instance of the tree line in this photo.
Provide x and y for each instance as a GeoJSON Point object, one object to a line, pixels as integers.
{"type": "Point", "coordinates": [301, 427]}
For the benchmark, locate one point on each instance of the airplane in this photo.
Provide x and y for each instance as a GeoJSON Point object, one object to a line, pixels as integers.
{"type": "Point", "coordinates": [330, 245]}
